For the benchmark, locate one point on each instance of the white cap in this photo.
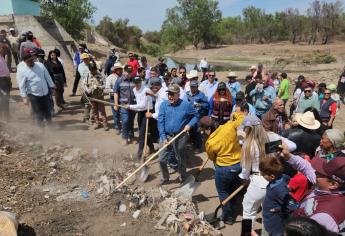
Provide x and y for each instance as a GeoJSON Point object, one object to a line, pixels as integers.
{"type": "Point", "coordinates": [253, 67]}
{"type": "Point", "coordinates": [12, 29]}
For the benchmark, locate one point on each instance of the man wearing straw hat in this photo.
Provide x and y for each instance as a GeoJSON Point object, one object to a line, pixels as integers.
{"type": "Point", "coordinates": [304, 134]}
{"type": "Point", "coordinates": [110, 81]}
{"type": "Point", "coordinates": [233, 85]}
{"type": "Point", "coordinates": [174, 116]}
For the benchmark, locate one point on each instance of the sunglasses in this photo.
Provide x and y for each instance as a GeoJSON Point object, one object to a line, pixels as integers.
{"type": "Point", "coordinates": [327, 93]}
{"type": "Point", "coordinates": [211, 75]}
{"type": "Point", "coordinates": [307, 91]}
{"type": "Point", "coordinates": [221, 90]}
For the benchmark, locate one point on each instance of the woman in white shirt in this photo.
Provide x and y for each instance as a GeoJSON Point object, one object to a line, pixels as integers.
{"type": "Point", "coordinates": [142, 101]}
{"type": "Point", "coordinates": [253, 150]}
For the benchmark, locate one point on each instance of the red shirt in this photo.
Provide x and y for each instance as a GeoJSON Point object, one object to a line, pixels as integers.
{"type": "Point", "coordinates": [135, 66]}
{"type": "Point", "coordinates": [298, 186]}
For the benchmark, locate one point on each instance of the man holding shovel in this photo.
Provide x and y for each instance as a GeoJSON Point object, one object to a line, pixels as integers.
{"type": "Point", "coordinates": [175, 115]}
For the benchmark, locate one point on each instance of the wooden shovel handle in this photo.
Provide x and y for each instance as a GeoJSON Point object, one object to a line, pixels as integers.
{"type": "Point", "coordinates": [150, 159]}
{"type": "Point", "coordinates": [105, 102]}
{"type": "Point", "coordinates": [233, 194]}
{"type": "Point", "coordinates": [146, 128]}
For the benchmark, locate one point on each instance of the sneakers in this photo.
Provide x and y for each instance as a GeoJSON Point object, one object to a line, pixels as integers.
{"type": "Point", "coordinates": [106, 128]}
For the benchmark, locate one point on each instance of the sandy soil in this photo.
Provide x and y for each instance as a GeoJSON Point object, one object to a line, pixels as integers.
{"type": "Point", "coordinates": [93, 216]}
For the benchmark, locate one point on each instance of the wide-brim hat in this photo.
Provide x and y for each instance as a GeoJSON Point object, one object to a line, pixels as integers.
{"type": "Point", "coordinates": [307, 120]}
{"type": "Point", "coordinates": [192, 74]}
{"type": "Point", "coordinates": [232, 75]}
{"type": "Point", "coordinates": [117, 65]}
{"type": "Point", "coordinates": [253, 67]}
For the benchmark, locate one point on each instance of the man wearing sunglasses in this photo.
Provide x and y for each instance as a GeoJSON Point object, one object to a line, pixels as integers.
{"type": "Point", "coordinates": [308, 100]}
{"type": "Point", "coordinates": [209, 86]}
{"type": "Point", "coordinates": [174, 116]}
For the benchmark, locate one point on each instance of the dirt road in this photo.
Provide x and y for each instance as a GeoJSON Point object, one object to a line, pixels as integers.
{"type": "Point", "coordinates": [36, 188]}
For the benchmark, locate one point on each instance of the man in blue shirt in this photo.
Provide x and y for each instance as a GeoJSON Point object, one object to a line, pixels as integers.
{"type": "Point", "coordinates": [200, 103]}
{"type": "Point", "coordinates": [76, 61]}
{"type": "Point", "coordinates": [174, 116]}
{"type": "Point", "coordinates": [264, 95]}
{"type": "Point", "coordinates": [233, 85]}
{"type": "Point", "coordinates": [124, 95]}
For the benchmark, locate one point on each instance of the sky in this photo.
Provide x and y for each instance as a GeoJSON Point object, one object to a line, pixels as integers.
{"type": "Point", "coordinates": [150, 14]}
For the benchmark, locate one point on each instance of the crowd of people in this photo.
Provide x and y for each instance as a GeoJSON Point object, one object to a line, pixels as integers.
{"type": "Point", "coordinates": [304, 177]}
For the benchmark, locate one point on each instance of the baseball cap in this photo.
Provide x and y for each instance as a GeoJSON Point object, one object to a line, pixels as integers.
{"type": "Point", "coordinates": [29, 53]}
{"type": "Point", "coordinates": [155, 82]}
{"type": "Point", "coordinates": [137, 79]}
{"type": "Point", "coordinates": [176, 80]}
{"type": "Point", "coordinates": [173, 88]}
{"type": "Point", "coordinates": [194, 83]}
{"type": "Point", "coordinates": [333, 169]}
{"type": "Point", "coordinates": [11, 29]}
{"type": "Point", "coordinates": [251, 120]}
{"type": "Point", "coordinates": [221, 85]}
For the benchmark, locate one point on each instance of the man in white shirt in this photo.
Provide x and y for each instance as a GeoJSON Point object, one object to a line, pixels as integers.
{"type": "Point", "coordinates": [110, 81]}
{"type": "Point", "coordinates": [34, 83]}
{"type": "Point", "coordinates": [209, 86]}
{"type": "Point", "coordinates": [142, 101]}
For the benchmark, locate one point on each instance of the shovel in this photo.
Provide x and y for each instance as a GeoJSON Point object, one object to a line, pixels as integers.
{"type": "Point", "coordinates": [144, 173]}
{"type": "Point", "coordinates": [215, 217]}
{"type": "Point", "coordinates": [191, 183]}
{"type": "Point", "coordinates": [150, 159]}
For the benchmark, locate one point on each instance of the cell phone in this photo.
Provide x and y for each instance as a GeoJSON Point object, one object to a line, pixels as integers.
{"type": "Point", "coordinates": [246, 229]}
{"type": "Point", "coordinates": [272, 147]}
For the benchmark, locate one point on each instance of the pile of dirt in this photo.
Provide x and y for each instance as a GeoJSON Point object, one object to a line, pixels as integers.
{"type": "Point", "coordinates": [61, 190]}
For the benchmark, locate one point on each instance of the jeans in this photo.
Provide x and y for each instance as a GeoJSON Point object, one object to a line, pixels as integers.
{"type": "Point", "coordinates": [116, 114]}
{"type": "Point", "coordinates": [41, 108]}
{"type": "Point", "coordinates": [76, 81]}
{"type": "Point", "coordinates": [195, 136]}
{"type": "Point", "coordinates": [151, 136]}
{"type": "Point", "coordinates": [127, 118]}
{"type": "Point", "coordinates": [5, 86]}
{"type": "Point", "coordinates": [178, 147]}
{"type": "Point", "coordinates": [225, 178]}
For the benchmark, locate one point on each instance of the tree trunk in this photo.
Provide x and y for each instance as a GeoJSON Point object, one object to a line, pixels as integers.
{"type": "Point", "coordinates": [293, 38]}
{"type": "Point", "coordinates": [325, 39]}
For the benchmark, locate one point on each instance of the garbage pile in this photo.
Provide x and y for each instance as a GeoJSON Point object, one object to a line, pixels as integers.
{"type": "Point", "coordinates": [174, 213]}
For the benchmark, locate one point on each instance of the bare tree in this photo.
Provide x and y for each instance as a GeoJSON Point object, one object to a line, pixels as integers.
{"type": "Point", "coordinates": [314, 12]}
{"type": "Point", "coordinates": [330, 20]}
{"type": "Point", "coordinates": [293, 22]}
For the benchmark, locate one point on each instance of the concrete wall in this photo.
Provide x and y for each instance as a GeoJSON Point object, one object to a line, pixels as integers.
{"type": "Point", "coordinates": [20, 7]}
{"type": "Point", "coordinates": [6, 7]}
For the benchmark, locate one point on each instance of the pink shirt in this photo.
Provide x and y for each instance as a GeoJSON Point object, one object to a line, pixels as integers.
{"type": "Point", "coordinates": [4, 71]}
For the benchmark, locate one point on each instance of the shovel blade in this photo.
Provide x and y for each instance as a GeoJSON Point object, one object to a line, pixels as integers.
{"type": "Point", "coordinates": [143, 174]}
{"type": "Point", "coordinates": [188, 188]}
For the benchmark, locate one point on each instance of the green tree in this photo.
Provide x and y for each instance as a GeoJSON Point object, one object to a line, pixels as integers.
{"type": "Point", "coordinates": [174, 33]}
{"type": "Point", "coordinates": [120, 33]}
{"type": "Point", "coordinates": [198, 21]}
{"type": "Point", "coordinates": [71, 14]}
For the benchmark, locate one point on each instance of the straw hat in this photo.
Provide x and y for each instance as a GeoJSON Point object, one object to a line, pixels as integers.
{"type": "Point", "coordinates": [307, 120]}
{"type": "Point", "coordinates": [117, 65]}
{"type": "Point", "coordinates": [232, 75]}
{"type": "Point", "coordinates": [253, 67]}
{"type": "Point", "coordinates": [192, 74]}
